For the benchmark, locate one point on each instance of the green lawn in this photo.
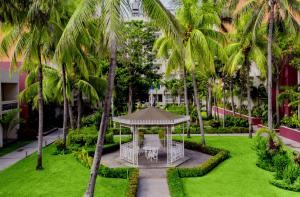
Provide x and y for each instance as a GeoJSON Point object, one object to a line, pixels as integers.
{"type": "Point", "coordinates": [14, 146]}
{"type": "Point", "coordinates": [237, 176]}
{"type": "Point", "coordinates": [62, 176]}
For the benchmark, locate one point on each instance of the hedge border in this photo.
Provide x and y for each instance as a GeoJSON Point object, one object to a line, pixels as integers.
{"type": "Point", "coordinates": [282, 185]}
{"type": "Point", "coordinates": [132, 174]}
{"type": "Point", "coordinates": [174, 175]}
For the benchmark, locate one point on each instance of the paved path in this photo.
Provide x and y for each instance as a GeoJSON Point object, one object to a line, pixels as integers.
{"type": "Point", "coordinates": [19, 154]}
{"type": "Point", "coordinates": [153, 182]}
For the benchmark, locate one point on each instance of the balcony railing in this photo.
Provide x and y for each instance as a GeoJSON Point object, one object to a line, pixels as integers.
{"type": "Point", "coordinates": [8, 105]}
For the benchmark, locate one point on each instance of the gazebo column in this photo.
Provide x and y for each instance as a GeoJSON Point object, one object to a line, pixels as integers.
{"type": "Point", "coordinates": [135, 155]}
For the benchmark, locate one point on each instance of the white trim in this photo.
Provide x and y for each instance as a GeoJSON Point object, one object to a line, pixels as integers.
{"type": "Point", "coordinates": [151, 122]}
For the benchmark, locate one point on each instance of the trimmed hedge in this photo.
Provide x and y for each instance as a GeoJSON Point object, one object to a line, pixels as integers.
{"type": "Point", "coordinates": [132, 174]}
{"type": "Point", "coordinates": [175, 183]}
{"type": "Point", "coordinates": [281, 184]}
{"type": "Point", "coordinates": [174, 175]}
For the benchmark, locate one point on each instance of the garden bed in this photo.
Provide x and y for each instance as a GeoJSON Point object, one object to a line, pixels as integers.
{"type": "Point", "coordinates": [174, 175]}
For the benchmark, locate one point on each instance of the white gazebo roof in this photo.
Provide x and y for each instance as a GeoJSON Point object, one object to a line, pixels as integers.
{"type": "Point", "coordinates": [151, 116]}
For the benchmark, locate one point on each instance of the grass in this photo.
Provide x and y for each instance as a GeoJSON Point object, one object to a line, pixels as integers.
{"type": "Point", "coordinates": [237, 176]}
{"type": "Point", "coordinates": [62, 176]}
{"type": "Point", "coordinates": [13, 146]}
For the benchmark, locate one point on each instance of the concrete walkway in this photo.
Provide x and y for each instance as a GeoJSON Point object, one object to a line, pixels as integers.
{"type": "Point", "coordinates": [19, 154]}
{"type": "Point", "coordinates": [153, 182]}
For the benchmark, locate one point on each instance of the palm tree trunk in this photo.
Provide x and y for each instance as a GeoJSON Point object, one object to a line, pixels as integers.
{"type": "Point", "coordinates": [209, 103]}
{"type": "Point", "coordinates": [187, 111]}
{"type": "Point", "coordinates": [270, 38]}
{"type": "Point", "coordinates": [39, 165]}
{"type": "Point", "coordinates": [79, 108]}
{"type": "Point", "coordinates": [104, 122]}
{"type": "Point", "coordinates": [129, 99]}
{"type": "Point", "coordinates": [231, 96]}
{"type": "Point", "coordinates": [249, 100]}
{"type": "Point", "coordinates": [223, 102]}
{"type": "Point", "coordinates": [198, 106]}
{"type": "Point", "coordinates": [277, 103]}
{"type": "Point", "coordinates": [71, 117]}
{"type": "Point", "coordinates": [65, 121]}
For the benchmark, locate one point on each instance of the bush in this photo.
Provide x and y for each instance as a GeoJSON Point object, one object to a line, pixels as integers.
{"type": "Point", "coordinates": [281, 161]}
{"type": "Point", "coordinates": [83, 157]}
{"type": "Point", "coordinates": [86, 137]}
{"type": "Point", "coordinates": [291, 121]}
{"type": "Point", "coordinates": [175, 183]}
{"type": "Point", "coordinates": [231, 121]}
{"type": "Point", "coordinates": [92, 120]}
{"type": "Point", "coordinates": [109, 138]}
{"type": "Point", "coordinates": [215, 123]}
{"type": "Point", "coordinates": [267, 145]}
{"type": "Point", "coordinates": [291, 174]}
{"type": "Point", "coordinates": [116, 131]}
{"type": "Point", "coordinates": [132, 174]}
{"type": "Point", "coordinates": [174, 175]}
{"type": "Point", "coordinates": [60, 147]}
{"type": "Point", "coordinates": [141, 138]}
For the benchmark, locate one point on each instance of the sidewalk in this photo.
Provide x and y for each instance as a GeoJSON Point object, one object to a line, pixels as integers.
{"type": "Point", "coordinates": [19, 154]}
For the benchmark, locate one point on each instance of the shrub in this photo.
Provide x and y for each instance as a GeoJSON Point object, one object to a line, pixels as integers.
{"type": "Point", "coordinates": [175, 183]}
{"type": "Point", "coordinates": [281, 161]}
{"type": "Point", "coordinates": [267, 145]}
{"type": "Point", "coordinates": [116, 131]}
{"type": "Point", "coordinates": [132, 174]}
{"type": "Point", "coordinates": [141, 138]}
{"type": "Point", "coordinates": [86, 136]}
{"type": "Point", "coordinates": [92, 120]}
{"type": "Point", "coordinates": [291, 121]}
{"type": "Point", "coordinates": [215, 123]}
{"type": "Point", "coordinates": [83, 157]}
{"type": "Point", "coordinates": [60, 147]}
{"type": "Point", "coordinates": [109, 138]}
{"type": "Point", "coordinates": [291, 174]}
{"type": "Point", "coordinates": [231, 121]}
{"type": "Point", "coordinates": [174, 175]}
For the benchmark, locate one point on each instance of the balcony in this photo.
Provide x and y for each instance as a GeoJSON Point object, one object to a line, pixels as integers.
{"type": "Point", "coordinates": [9, 105]}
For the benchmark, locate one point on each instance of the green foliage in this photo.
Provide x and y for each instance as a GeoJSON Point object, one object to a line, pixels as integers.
{"type": "Point", "coordinates": [281, 161]}
{"type": "Point", "coordinates": [10, 120]}
{"type": "Point", "coordinates": [92, 120]}
{"type": "Point", "coordinates": [231, 121]}
{"type": "Point", "coordinates": [291, 121]}
{"type": "Point", "coordinates": [60, 147]}
{"type": "Point", "coordinates": [132, 174]}
{"type": "Point", "coordinates": [116, 131]}
{"type": "Point", "coordinates": [83, 157]}
{"type": "Point", "coordinates": [174, 175]}
{"type": "Point", "coordinates": [267, 145]}
{"type": "Point", "coordinates": [260, 111]}
{"type": "Point", "coordinates": [215, 123]}
{"type": "Point", "coordinates": [86, 136]}
{"type": "Point", "coordinates": [175, 183]}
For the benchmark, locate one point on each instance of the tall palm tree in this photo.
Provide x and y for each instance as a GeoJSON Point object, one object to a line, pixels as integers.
{"type": "Point", "coordinates": [200, 44]}
{"type": "Point", "coordinates": [31, 39]}
{"type": "Point", "coordinates": [110, 13]}
{"type": "Point", "coordinates": [286, 10]}
{"type": "Point", "coordinates": [243, 51]}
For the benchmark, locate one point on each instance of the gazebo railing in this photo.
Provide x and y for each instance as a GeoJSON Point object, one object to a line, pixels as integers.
{"type": "Point", "coordinates": [127, 152]}
{"type": "Point", "coordinates": [177, 151]}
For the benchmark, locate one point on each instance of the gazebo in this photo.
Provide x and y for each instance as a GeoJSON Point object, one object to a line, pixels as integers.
{"type": "Point", "coordinates": [150, 117]}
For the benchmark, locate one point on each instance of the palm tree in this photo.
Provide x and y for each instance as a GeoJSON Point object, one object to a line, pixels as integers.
{"type": "Point", "coordinates": [200, 44]}
{"type": "Point", "coordinates": [243, 51]}
{"type": "Point", "coordinates": [31, 39]}
{"type": "Point", "coordinates": [109, 13]}
{"type": "Point", "coordinates": [273, 10]}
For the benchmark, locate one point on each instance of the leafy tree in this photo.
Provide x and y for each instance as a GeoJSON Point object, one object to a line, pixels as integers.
{"type": "Point", "coordinates": [110, 20]}
{"type": "Point", "coordinates": [32, 40]}
{"type": "Point", "coordinates": [9, 121]}
{"type": "Point", "coordinates": [135, 72]}
{"type": "Point", "coordinates": [275, 10]}
{"type": "Point", "coordinates": [245, 50]}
